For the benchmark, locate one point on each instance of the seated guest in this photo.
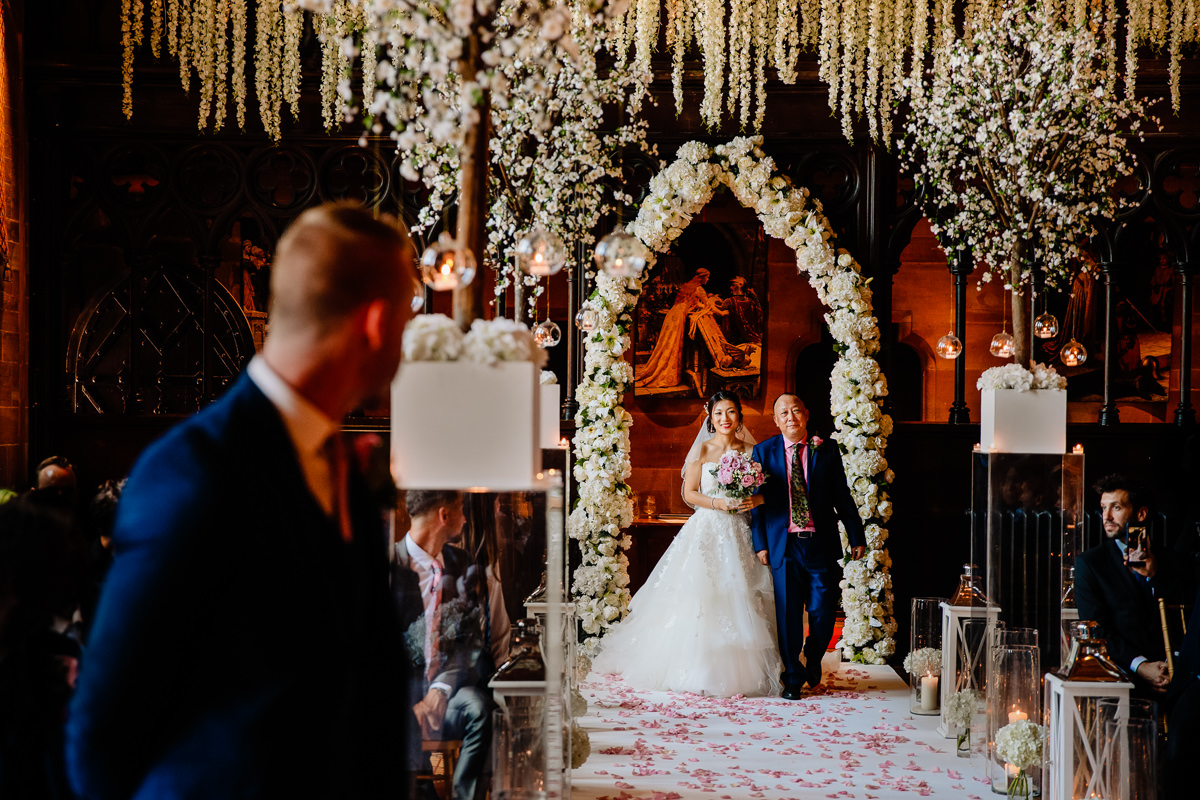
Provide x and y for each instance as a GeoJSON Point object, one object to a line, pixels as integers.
{"type": "Point", "coordinates": [456, 627]}
{"type": "Point", "coordinates": [1117, 584]}
{"type": "Point", "coordinates": [37, 662]}
{"type": "Point", "coordinates": [56, 477]}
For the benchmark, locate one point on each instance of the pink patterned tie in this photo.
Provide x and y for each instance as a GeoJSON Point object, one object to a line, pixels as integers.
{"type": "Point", "coordinates": [433, 657]}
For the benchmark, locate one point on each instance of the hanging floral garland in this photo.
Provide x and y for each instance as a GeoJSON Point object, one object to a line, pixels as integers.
{"type": "Point", "coordinates": [866, 48]}
{"type": "Point", "coordinates": [602, 438]}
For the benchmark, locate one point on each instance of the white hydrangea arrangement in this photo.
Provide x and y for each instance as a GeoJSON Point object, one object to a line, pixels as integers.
{"type": "Point", "coordinates": [1015, 376]}
{"type": "Point", "coordinates": [787, 212]}
{"type": "Point", "coordinates": [1020, 744]}
{"type": "Point", "coordinates": [960, 711]}
{"type": "Point", "coordinates": [432, 337]}
{"type": "Point", "coordinates": [547, 378]}
{"type": "Point", "coordinates": [436, 337]}
{"type": "Point", "coordinates": [500, 339]}
{"type": "Point", "coordinates": [924, 661]}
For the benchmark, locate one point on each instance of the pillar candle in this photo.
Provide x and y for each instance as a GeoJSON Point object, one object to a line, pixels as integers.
{"type": "Point", "coordinates": [929, 693]}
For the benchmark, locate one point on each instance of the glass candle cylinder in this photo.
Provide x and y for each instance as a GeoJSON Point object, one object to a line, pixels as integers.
{"type": "Point", "coordinates": [1133, 763]}
{"type": "Point", "coordinates": [1014, 693]}
{"type": "Point", "coordinates": [924, 661]}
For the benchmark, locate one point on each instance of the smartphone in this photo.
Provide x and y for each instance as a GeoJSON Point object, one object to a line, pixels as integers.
{"type": "Point", "coordinates": [1136, 538]}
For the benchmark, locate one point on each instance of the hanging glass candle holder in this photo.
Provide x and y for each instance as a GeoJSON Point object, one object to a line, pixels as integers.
{"type": "Point", "coordinates": [949, 346]}
{"type": "Point", "coordinates": [1045, 326]}
{"type": "Point", "coordinates": [447, 264]}
{"type": "Point", "coordinates": [1073, 354]}
{"type": "Point", "coordinates": [547, 334]}
{"type": "Point", "coordinates": [621, 254]}
{"type": "Point", "coordinates": [540, 252]}
{"type": "Point", "coordinates": [1002, 345]}
{"type": "Point", "coordinates": [587, 319]}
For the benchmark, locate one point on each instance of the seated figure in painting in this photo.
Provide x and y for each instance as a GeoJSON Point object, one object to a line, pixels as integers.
{"type": "Point", "coordinates": [1119, 582]}
{"type": "Point", "coordinates": [695, 315]}
{"type": "Point", "coordinates": [704, 622]}
{"type": "Point", "coordinates": [456, 628]}
{"type": "Point", "coordinates": [665, 367]}
{"type": "Point", "coordinates": [743, 322]}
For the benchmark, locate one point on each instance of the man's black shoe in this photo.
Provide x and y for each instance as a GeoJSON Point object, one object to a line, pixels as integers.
{"type": "Point", "coordinates": [791, 692]}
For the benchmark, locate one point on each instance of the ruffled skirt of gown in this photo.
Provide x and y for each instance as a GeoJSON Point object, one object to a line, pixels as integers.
{"type": "Point", "coordinates": [705, 620]}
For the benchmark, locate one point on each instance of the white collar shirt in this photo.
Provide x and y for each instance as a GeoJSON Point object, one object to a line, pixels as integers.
{"type": "Point", "coordinates": [307, 426]}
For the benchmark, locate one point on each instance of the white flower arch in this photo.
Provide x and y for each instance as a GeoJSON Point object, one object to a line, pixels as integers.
{"type": "Point", "coordinates": [602, 426]}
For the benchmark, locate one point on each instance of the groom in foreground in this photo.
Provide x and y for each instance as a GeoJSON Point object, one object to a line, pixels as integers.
{"type": "Point", "coordinates": [795, 533]}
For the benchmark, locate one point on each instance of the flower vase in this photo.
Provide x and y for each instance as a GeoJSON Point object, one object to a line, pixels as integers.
{"type": "Point", "coordinates": [1019, 786]}
{"type": "Point", "coordinates": [963, 747]}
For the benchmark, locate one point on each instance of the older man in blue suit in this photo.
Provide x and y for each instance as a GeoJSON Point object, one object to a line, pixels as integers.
{"type": "Point", "coordinates": [795, 533]}
{"type": "Point", "coordinates": [245, 644]}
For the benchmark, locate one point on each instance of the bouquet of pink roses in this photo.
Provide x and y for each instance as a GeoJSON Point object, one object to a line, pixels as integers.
{"type": "Point", "coordinates": [738, 476]}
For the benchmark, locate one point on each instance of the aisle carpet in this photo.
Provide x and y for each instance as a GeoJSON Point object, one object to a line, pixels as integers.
{"type": "Point", "coordinates": [853, 737]}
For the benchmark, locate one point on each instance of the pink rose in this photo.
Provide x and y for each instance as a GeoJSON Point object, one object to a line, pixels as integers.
{"type": "Point", "coordinates": [816, 441]}
{"type": "Point", "coordinates": [725, 475]}
{"type": "Point", "coordinates": [747, 480]}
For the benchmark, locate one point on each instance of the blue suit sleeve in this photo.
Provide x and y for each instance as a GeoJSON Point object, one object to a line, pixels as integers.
{"type": "Point", "coordinates": [843, 501]}
{"type": "Point", "coordinates": [131, 676]}
{"type": "Point", "coordinates": [758, 517]}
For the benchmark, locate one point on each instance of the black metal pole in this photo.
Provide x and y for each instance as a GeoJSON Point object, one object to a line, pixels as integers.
{"type": "Point", "coordinates": [1185, 415]}
{"type": "Point", "coordinates": [960, 268]}
{"type": "Point", "coordinates": [1109, 415]}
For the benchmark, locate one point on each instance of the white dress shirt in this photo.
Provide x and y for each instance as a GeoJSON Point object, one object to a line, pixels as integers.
{"type": "Point", "coordinates": [307, 426]}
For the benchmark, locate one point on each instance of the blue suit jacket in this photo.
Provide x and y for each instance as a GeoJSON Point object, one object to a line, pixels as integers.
{"type": "Point", "coordinates": [829, 500]}
{"type": "Point", "coordinates": [241, 648]}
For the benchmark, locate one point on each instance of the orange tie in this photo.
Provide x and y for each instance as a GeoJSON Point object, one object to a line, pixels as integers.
{"type": "Point", "coordinates": [336, 453]}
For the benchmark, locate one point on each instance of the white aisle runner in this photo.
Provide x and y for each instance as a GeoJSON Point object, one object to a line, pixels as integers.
{"type": "Point", "coordinates": [852, 738]}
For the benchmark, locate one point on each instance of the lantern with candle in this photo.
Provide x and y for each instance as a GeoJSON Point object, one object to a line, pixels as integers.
{"type": "Point", "coordinates": [924, 660]}
{"type": "Point", "coordinates": [1014, 693]}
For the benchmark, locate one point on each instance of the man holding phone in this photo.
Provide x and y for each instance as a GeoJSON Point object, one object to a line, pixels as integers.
{"type": "Point", "coordinates": [1119, 582]}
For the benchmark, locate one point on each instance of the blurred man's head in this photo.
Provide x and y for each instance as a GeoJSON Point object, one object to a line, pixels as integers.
{"type": "Point", "coordinates": [342, 283]}
{"type": "Point", "coordinates": [56, 480]}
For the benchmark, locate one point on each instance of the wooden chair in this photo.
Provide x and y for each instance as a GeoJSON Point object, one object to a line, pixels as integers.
{"type": "Point", "coordinates": [1174, 628]}
{"type": "Point", "coordinates": [443, 757]}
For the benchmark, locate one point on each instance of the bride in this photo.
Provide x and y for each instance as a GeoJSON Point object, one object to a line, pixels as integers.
{"type": "Point", "coordinates": [705, 620]}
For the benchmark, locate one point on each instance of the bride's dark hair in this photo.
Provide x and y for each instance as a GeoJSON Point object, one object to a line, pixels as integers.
{"type": "Point", "coordinates": [712, 403]}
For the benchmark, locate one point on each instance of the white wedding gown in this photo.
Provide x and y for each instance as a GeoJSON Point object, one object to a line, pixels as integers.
{"type": "Point", "coordinates": [705, 620]}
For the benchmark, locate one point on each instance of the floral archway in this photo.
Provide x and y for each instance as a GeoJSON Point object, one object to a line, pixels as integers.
{"type": "Point", "coordinates": [601, 444]}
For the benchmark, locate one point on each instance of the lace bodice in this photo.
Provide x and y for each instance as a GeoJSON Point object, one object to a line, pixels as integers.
{"type": "Point", "coordinates": [708, 481]}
